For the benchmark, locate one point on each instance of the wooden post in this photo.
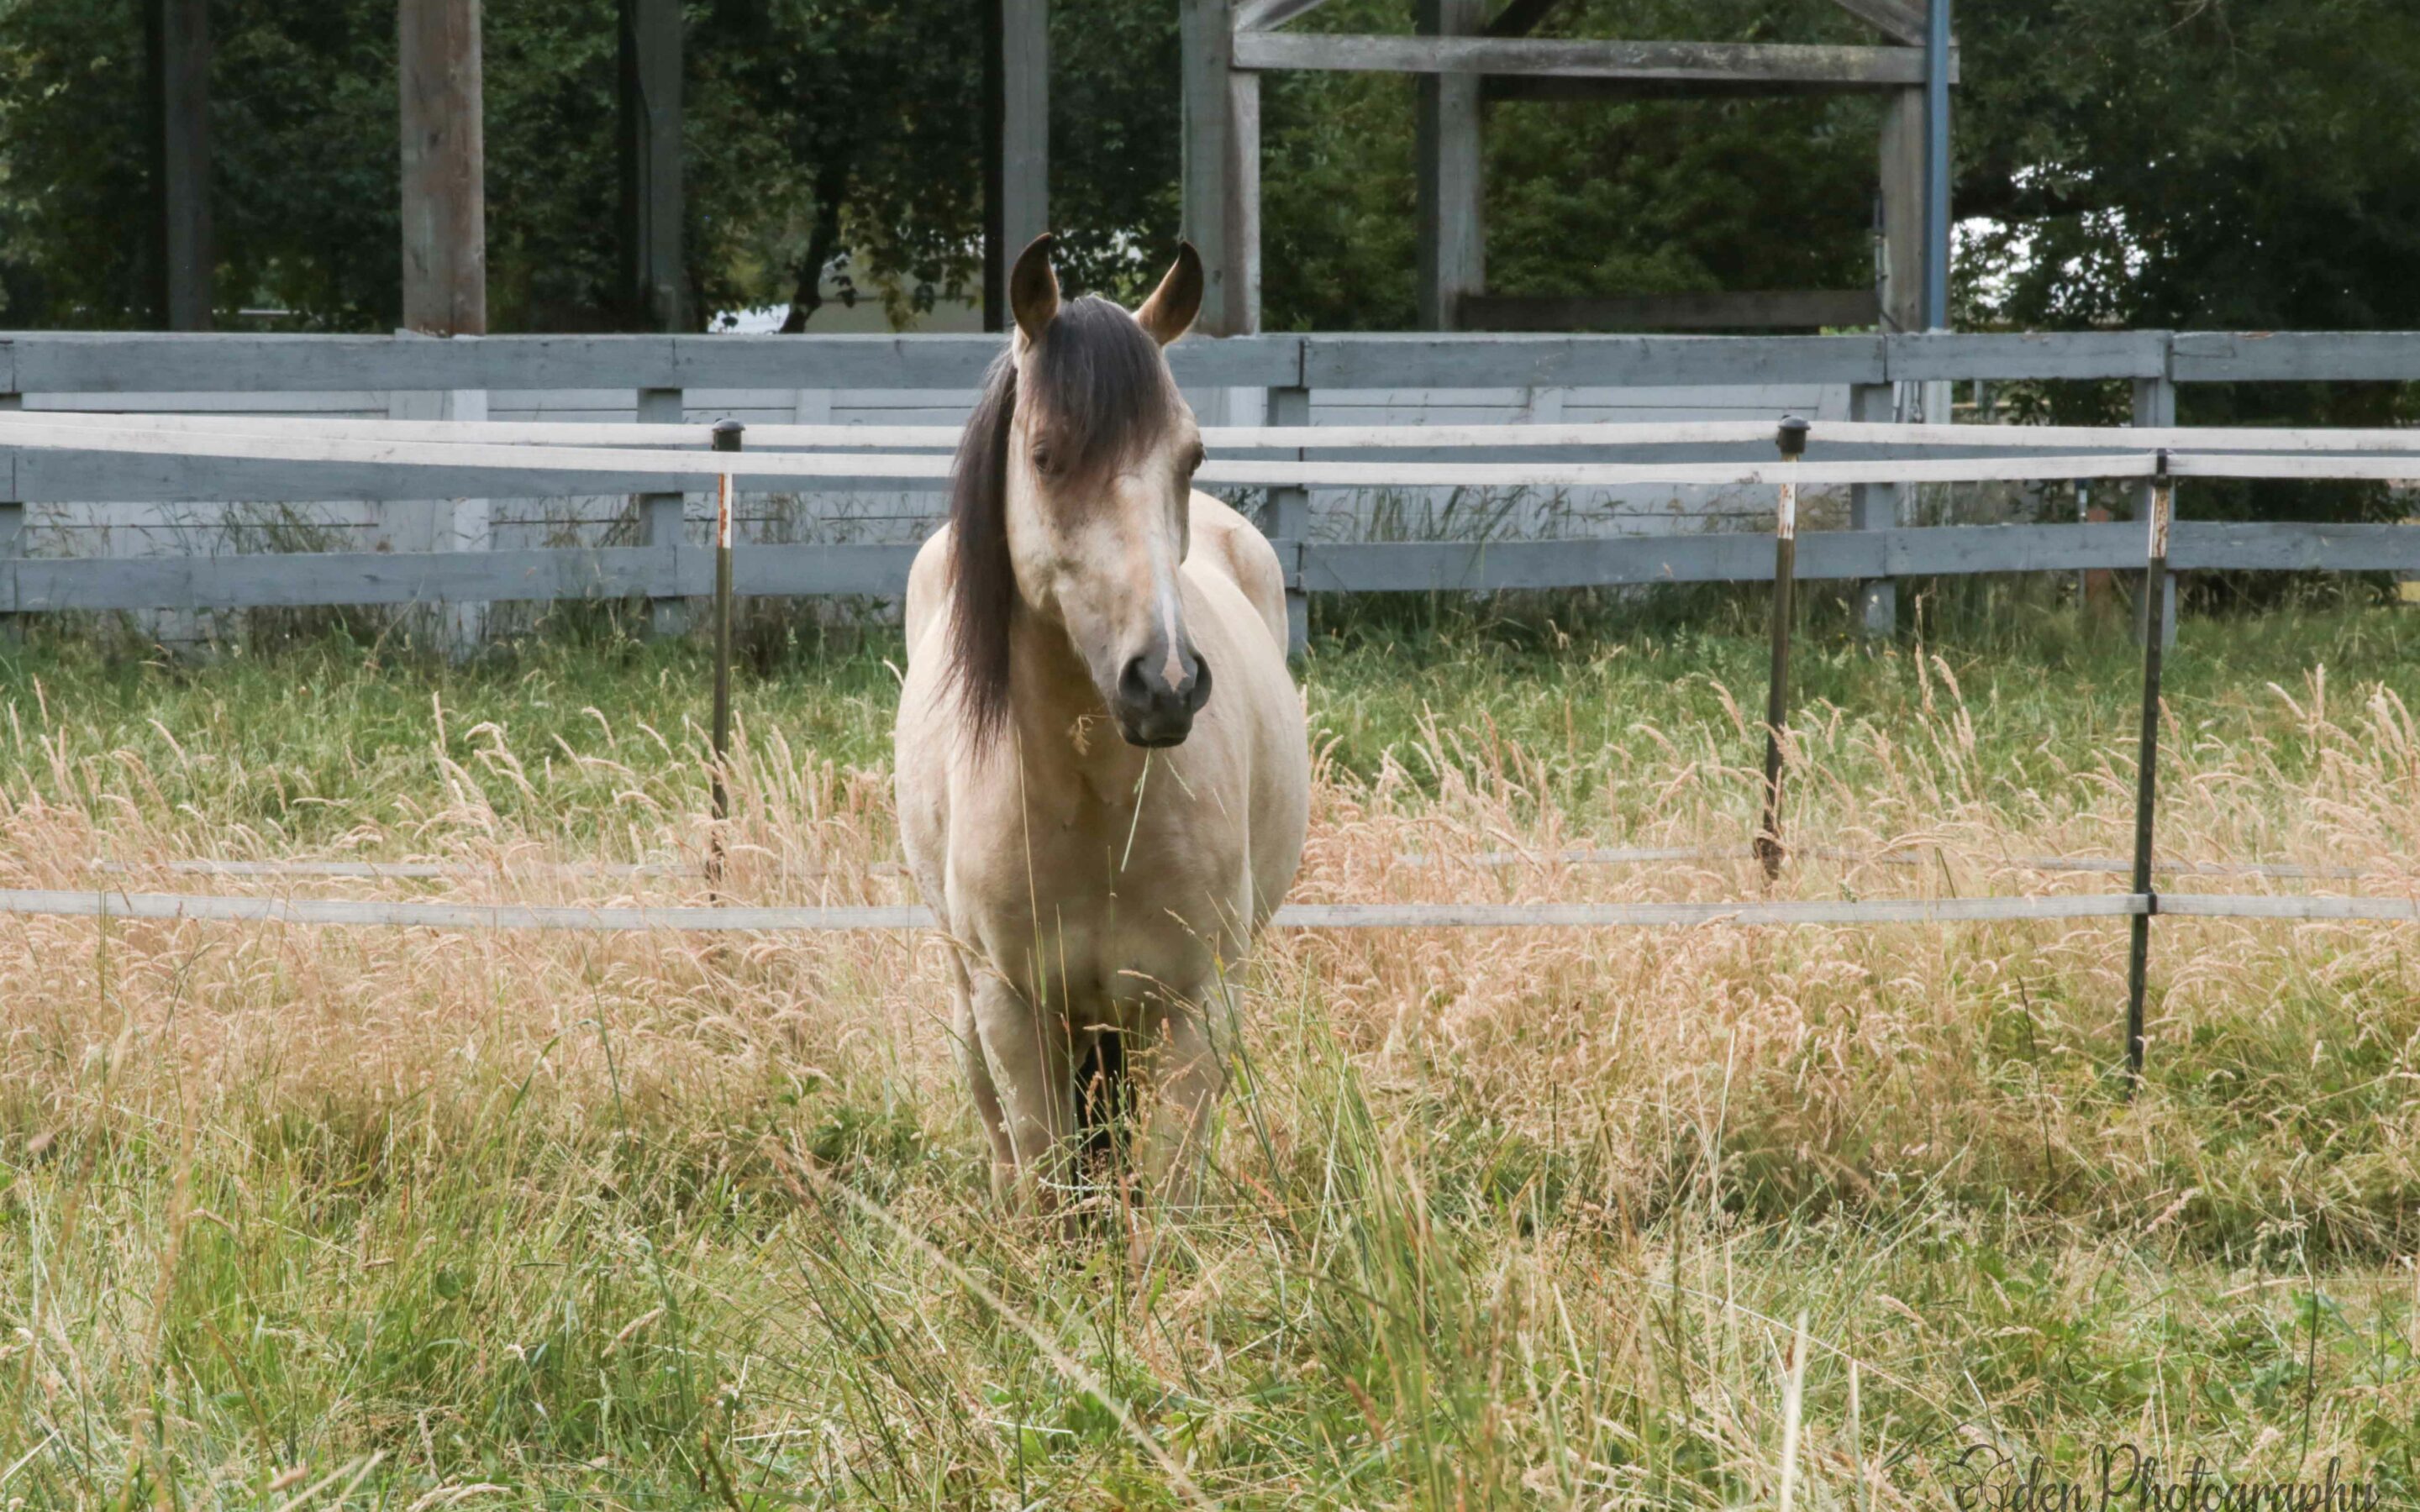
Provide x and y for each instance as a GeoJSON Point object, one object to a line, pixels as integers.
{"type": "Point", "coordinates": [1290, 522]}
{"type": "Point", "coordinates": [2155, 404]}
{"type": "Point", "coordinates": [1937, 170]}
{"type": "Point", "coordinates": [1221, 209]}
{"type": "Point", "coordinates": [2146, 771]}
{"type": "Point", "coordinates": [661, 515]}
{"type": "Point", "coordinates": [12, 532]}
{"type": "Point", "coordinates": [1792, 438]}
{"type": "Point", "coordinates": [1452, 233]}
{"type": "Point", "coordinates": [1902, 280]}
{"type": "Point", "coordinates": [1015, 141]}
{"type": "Point", "coordinates": [444, 524]}
{"type": "Point", "coordinates": [445, 192]}
{"type": "Point", "coordinates": [1874, 506]}
{"type": "Point", "coordinates": [181, 60]}
{"type": "Point", "coordinates": [654, 277]}
{"type": "Point", "coordinates": [726, 439]}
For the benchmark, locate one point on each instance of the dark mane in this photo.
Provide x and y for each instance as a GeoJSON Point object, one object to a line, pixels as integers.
{"type": "Point", "coordinates": [1099, 393]}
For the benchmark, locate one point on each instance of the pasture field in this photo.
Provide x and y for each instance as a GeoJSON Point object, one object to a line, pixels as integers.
{"type": "Point", "coordinates": [299, 1219]}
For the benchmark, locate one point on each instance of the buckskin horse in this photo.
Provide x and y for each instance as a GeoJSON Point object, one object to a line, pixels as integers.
{"type": "Point", "coordinates": [1103, 777]}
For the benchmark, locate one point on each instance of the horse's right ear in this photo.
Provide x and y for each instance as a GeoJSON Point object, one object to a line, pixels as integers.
{"type": "Point", "coordinates": [1033, 288]}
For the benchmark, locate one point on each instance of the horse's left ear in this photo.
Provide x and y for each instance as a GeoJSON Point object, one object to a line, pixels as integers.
{"type": "Point", "coordinates": [1171, 307]}
{"type": "Point", "coordinates": [1033, 288]}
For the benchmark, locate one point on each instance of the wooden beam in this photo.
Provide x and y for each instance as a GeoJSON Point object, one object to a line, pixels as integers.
{"type": "Point", "coordinates": [1894, 19]}
{"type": "Point", "coordinates": [654, 276]}
{"type": "Point", "coordinates": [1556, 89]}
{"type": "Point", "coordinates": [444, 191]}
{"type": "Point", "coordinates": [1727, 310]}
{"type": "Point", "coordinates": [1899, 273]}
{"type": "Point", "coordinates": [1760, 63]}
{"type": "Point", "coordinates": [182, 60]}
{"type": "Point", "coordinates": [1222, 195]}
{"type": "Point", "coordinates": [1025, 122]}
{"type": "Point", "coordinates": [1452, 239]}
{"type": "Point", "coordinates": [1260, 15]}
{"type": "Point", "coordinates": [1519, 18]}
{"type": "Point", "coordinates": [1015, 141]}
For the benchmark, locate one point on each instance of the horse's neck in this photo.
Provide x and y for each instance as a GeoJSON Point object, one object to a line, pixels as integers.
{"type": "Point", "coordinates": [1063, 728]}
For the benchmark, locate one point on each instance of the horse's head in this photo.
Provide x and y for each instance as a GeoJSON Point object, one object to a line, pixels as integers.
{"type": "Point", "coordinates": [1070, 501]}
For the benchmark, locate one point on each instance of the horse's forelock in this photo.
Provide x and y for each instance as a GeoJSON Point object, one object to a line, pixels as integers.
{"type": "Point", "coordinates": [1098, 391]}
{"type": "Point", "coordinates": [1099, 394]}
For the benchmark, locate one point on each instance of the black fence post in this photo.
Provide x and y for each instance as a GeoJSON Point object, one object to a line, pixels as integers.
{"type": "Point", "coordinates": [1791, 438]}
{"type": "Point", "coordinates": [2147, 766]}
{"type": "Point", "coordinates": [726, 439]}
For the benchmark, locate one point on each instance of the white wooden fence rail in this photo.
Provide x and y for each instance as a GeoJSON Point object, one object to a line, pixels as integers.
{"type": "Point", "coordinates": [64, 456]}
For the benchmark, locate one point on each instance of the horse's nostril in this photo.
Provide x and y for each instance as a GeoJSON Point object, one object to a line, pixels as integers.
{"type": "Point", "coordinates": [1134, 684]}
{"type": "Point", "coordinates": [1196, 688]}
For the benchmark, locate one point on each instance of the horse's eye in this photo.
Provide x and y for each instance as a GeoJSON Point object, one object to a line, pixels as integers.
{"type": "Point", "coordinates": [1042, 460]}
{"type": "Point", "coordinates": [1201, 455]}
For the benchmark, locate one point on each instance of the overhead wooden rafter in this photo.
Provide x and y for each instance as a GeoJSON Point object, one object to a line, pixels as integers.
{"type": "Point", "coordinates": [1680, 63]}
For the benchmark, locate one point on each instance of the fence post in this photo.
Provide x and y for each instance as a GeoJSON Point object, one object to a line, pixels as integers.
{"type": "Point", "coordinates": [1792, 438]}
{"type": "Point", "coordinates": [726, 439]}
{"type": "Point", "coordinates": [660, 519]}
{"type": "Point", "coordinates": [446, 524]}
{"type": "Point", "coordinates": [12, 533]}
{"type": "Point", "coordinates": [1874, 506]}
{"type": "Point", "coordinates": [2147, 770]}
{"type": "Point", "coordinates": [2155, 404]}
{"type": "Point", "coordinates": [1290, 520]}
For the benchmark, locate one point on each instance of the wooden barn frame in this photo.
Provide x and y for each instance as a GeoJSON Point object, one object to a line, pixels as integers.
{"type": "Point", "coordinates": [1466, 58]}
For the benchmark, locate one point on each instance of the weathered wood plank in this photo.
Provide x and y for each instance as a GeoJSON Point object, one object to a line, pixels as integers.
{"type": "Point", "coordinates": [2264, 356]}
{"type": "Point", "coordinates": [445, 169]}
{"type": "Point", "coordinates": [1386, 361]}
{"type": "Point", "coordinates": [153, 363]}
{"type": "Point", "coordinates": [181, 40]}
{"type": "Point", "coordinates": [1915, 356]}
{"type": "Point", "coordinates": [807, 570]}
{"type": "Point", "coordinates": [2291, 547]}
{"type": "Point", "coordinates": [1848, 67]}
{"type": "Point", "coordinates": [1719, 310]}
{"type": "Point", "coordinates": [1449, 214]}
{"type": "Point", "coordinates": [1728, 558]}
{"type": "Point", "coordinates": [655, 279]}
{"type": "Point", "coordinates": [159, 364]}
{"type": "Point", "coordinates": [329, 578]}
{"type": "Point", "coordinates": [1220, 196]}
{"type": "Point", "coordinates": [1024, 124]}
{"type": "Point", "coordinates": [68, 477]}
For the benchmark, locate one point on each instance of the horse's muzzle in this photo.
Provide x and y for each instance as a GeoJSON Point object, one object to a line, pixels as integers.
{"type": "Point", "coordinates": [1154, 712]}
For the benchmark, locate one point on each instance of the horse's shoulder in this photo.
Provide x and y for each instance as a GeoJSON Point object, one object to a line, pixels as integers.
{"type": "Point", "coordinates": [928, 587]}
{"type": "Point", "coordinates": [1235, 547]}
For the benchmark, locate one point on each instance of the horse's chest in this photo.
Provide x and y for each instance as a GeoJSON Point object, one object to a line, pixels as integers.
{"type": "Point", "coordinates": [1106, 898]}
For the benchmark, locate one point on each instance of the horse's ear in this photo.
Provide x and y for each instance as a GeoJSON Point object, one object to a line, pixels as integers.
{"type": "Point", "coordinates": [1033, 288]}
{"type": "Point", "coordinates": [1171, 307]}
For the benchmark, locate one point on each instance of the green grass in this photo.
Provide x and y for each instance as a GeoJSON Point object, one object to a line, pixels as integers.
{"type": "Point", "coordinates": [415, 1220]}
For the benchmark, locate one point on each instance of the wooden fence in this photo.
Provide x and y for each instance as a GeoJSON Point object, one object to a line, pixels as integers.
{"type": "Point", "coordinates": [460, 375]}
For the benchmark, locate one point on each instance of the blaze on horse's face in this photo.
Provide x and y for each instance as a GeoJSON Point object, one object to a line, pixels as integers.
{"type": "Point", "coordinates": [1101, 453]}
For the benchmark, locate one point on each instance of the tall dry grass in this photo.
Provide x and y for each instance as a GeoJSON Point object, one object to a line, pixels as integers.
{"type": "Point", "coordinates": [1505, 1217]}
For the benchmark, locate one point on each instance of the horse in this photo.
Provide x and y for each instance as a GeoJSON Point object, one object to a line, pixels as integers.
{"type": "Point", "coordinates": [1100, 834]}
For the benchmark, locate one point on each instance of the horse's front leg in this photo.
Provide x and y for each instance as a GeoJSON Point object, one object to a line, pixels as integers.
{"type": "Point", "coordinates": [1026, 1051]}
{"type": "Point", "coordinates": [1185, 1076]}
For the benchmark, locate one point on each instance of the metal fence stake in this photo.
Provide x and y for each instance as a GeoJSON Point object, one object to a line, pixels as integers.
{"type": "Point", "coordinates": [2146, 768]}
{"type": "Point", "coordinates": [726, 439]}
{"type": "Point", "coordinates": [1791, 438]}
